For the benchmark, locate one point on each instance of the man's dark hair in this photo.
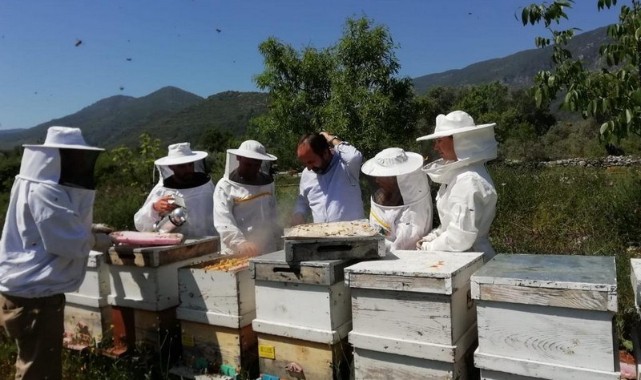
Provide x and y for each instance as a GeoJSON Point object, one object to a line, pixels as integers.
{"type": "Point", "coordinates": [316, 141]}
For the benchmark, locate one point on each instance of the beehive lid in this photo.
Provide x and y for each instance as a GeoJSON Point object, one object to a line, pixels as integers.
{"type": "Point", "coordinates": [578, 282]}
{"type": "Point", "coordinates": [416, 271]}
{"type": "Point", "coordinates": [162, 255]}
{"type": "Point", "coordinates": [274, 267]}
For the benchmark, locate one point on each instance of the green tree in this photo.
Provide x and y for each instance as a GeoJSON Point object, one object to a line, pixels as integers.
{"type": "Point", "coordinates": [349, 89]}
{"type": "Point", "coordinates": [612, 96]}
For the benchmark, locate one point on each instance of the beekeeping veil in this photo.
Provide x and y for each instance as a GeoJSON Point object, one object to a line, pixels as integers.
{"type": "Point", "coordinates": [249, 149]}
{"type": "Point", "coordinates": [181, 153]}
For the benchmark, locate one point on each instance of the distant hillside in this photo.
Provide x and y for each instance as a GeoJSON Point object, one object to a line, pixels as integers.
{"type": "Point", "coordinates": [516, 70]}
{"type": "Point", "coordinates": [172, 114]}
{"type": "Point", "coordinates": [112, 120]}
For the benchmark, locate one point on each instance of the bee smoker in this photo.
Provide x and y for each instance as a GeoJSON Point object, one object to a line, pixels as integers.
{"type": "Point", "coordinates": [176, 218]}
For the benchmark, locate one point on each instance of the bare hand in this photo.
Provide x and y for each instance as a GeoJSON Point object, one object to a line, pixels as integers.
{"type": "Point", "coordinates": [164, 204]}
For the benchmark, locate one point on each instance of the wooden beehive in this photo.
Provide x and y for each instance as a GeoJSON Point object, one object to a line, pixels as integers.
{"type": "Point", "coordinates": [546, 317]}
{"type": "Point", "coordinates": [147, 278]}
{"type": "Point", "coordinates": [208, 348]}
{"type": "Point", "coordinates": [94, 289]}
{"type": "Point", "coordinates": [635, 277]}
{"type": "Point", "coordinates": [218, 292]}
{"type": "Point", "coordinates": [278, 357]}
{"type": "Point", "coordinates": [413, 305]}
{"type": "Point", "coordinates": [307, 301]}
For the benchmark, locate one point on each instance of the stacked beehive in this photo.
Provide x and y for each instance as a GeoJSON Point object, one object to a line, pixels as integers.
{"type": "Point", "coordinates": [635, 277]}
{"type": "Point", "coordinates": [217, 306]}
{"type": "Point", "coordinates": [546, 317]}
{"type": "Point", "coordinates": [303, 315]}
{"type": "Point", "coordinates": [412, 315]}
{"type": "Point", "coordinates": [144, 292]}
{"type": "Point", "coordinates": [87, 312]}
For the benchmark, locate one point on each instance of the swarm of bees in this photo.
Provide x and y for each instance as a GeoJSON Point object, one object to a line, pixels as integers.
{"type": "Point", "coordinates": [228, 264]}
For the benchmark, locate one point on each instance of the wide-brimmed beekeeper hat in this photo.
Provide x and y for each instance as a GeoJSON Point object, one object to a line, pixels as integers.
{"type": "Point", "coordinates": [253, 149]}
{"type": "Point", "coordinates": [392, 162]}
{"type": "Point", "coordinates": [180, 153]}
{"type": "Point", "coordinates": [64, 138]}
{"type": "Point", "coordinates": [453, 123]}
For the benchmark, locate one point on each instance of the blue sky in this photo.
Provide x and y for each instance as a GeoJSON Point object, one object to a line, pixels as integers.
{"type": "Point", "coordinates": [59, 56]}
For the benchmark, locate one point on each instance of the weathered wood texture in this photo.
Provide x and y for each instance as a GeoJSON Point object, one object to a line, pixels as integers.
{"type": "Point", "coordinates": [218, 345]}
{"type": "Point", "coordinates": [501, 368]}
{"type": "Point", "coordinates": [371, 247]}
{"type": "Point", "coordinates": [374, 365]}
{"type": "Point", "coordinates": [148, 288]}
{"type": "Point", "coordinates": [414, 304]}
{"type": "Point", "coordinates": [94, 289]}
{"type": "Point", "coordinates": [216, 297]}
{"type": "Point", "coordinates": [319, 361]}
{"type": "Point", "coordinates": [578, 282]}
{"type": "Point", "coordinates": [546, 316]}
{"type": "Point", "coordinates": [163, 255]}
{"type": "Point", "coordinates": [86, 326]}
{"type": "Point", "coordinates": [274, 267]}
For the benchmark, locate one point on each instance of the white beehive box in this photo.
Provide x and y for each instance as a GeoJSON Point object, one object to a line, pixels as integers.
{"type": "Point", "coordinates": [94, 288]}
{"type": "Point", "coordinates": [546, 317]}
{"type": "Point", "coordinates": [86, 326]}
{"type": "Point", "coordinates": [413, 305]}
{"type": "Point", "coordinates": [214, 295]}
{"type": "Point", "coordinates": [635, 277]}
{"type": "Point", "coordinates": [308, 301]}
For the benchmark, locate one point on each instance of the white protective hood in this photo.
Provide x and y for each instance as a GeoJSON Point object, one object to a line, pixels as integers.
{"type": "Point", "coordinates": [404, 225]}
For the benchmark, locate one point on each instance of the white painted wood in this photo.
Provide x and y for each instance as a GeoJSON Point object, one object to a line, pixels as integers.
{"type": "Point", "coordinates": [524, 369]}
{"type": "Point", "coordinates": [416, 271]}
{"type": "Point", "coordinates": [374, 365]}
{"type": "Point", "coordinates": [551, 335]}
{"type": "Point", "coordinates": [311, 312]}
{"type": "Point", "coordinates": [635, 277]}
{"type": "Point", "coordinates": [579, 282]}
{"type": "Point", "coordinates": [274, 267]}
{"type": "Point", "coordinates": [355, 247]}
{"type": "Point", "coordinates": [417, 349]}
{"type": "Point", "coordinates": [216, 297]}
{"type": "Point", "coordinates": [148, 288]}
{"type": "Point", "coordinates": [94, 289]}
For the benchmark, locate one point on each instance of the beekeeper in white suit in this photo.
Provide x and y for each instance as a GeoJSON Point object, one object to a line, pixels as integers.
{"type": "Point", "coordinates": [44, 248]}
{"type": "Point", "coordinates": [401, 204]}
{"type": "Point", "coordinates": [183, 179]}
{"type": "Point", "coordinates": [245, 212]}
{"type": "Point", "coordinates": [466, 200]}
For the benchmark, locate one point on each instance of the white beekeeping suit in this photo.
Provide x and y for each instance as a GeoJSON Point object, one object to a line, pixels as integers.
{"type": "Point", "coordinates": [401, 204]}
{"type": "Point", "coordinates": [466, 200]}
{"type": "Point", "coordinates": [197, 193]}
{"type": "Point", "coordinates": [47, 233]}
{"type": "Point", "coordinates": [245, 213]}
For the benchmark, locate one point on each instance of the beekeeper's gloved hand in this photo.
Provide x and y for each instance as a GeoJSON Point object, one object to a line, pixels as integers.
{"type": "Point", "coordinates": [101, 242]}
{"type": "Point", "coordinates": [102, 228]}
{"type": "Point", "coordinates": [423, 243]}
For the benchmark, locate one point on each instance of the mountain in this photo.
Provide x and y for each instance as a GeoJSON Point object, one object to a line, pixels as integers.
{"type": "Point", "coordinates": [172, 114]}
{"type": "Point", "coordinates": [516, 70]}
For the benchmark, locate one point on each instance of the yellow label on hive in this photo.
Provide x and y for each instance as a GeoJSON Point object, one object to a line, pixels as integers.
{"type": "Point", "coordinates": [188, 340]}
{"type": "Point", "coordinates": [268, 352]}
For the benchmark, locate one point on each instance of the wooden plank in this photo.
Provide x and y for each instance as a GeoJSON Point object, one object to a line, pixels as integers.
{"type": "Point", "coordinates": [592, 274]}
{"type": "Point", "coordinates": [372, 247]}
{"type": "Point", "coordinates": [86, 326]}
{"type": "Point", "coordinates": [217, 345]}
{"type": "Point", "coordinates": [318, 361]}
{"type": "Point", "coordinates": [530, 369]}
{"type": "Point", "coordinates": [416, 349]}
{"type": "Point", "coordinates": [162, 255]}
{"type": "Point", "coordinates": [373, 365]}
{"type": "Point", "coordinates": [571, 298]}
{"type": "Point", "coordinates": [550, 335]}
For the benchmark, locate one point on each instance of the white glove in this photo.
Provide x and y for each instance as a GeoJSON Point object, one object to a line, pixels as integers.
{"type": "Point", "coordinates": [422, 243]}
{"type": "Point", "coordinates": [101, 227]}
